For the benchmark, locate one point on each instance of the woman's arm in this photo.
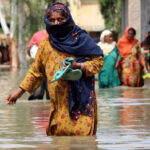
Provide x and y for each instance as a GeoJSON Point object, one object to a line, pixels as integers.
{"type": "Point", "coordinates": [32, 80]}
{"type": "Point", "coordinates": [36, 73]}
{"type": "Point", "coordinates": [12, 98]}
{"type": "Point", "coordinates": [90, 67]}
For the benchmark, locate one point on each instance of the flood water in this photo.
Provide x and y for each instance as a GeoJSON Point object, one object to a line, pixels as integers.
{"type": "Point", "coordinates": [123, 120]}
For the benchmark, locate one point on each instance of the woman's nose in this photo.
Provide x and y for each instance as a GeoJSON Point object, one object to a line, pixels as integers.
{"type": "Point", "coordinates": [56, 22]}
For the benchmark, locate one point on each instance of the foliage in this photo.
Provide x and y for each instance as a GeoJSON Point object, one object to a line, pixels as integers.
{"type": "Point", "coordinates": [49, 2]}
{"type": "Point", "coordinates": [111, 11]}
{"type": "Point", "coordinates": [34, 16]}
{"type": "Point", "coordinates": [35, 13]}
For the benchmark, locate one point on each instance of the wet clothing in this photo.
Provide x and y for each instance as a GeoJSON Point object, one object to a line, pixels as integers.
{"type": "Point", "coordinates": [46, 63]}
{"type": "Point", "coordinates": [68, 115]}
{"type": "Point", "coordinates": [108, 76]}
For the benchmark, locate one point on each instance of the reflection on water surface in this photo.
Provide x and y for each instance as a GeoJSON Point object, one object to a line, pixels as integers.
{"type": "Point", "coordinates": [123, 120]}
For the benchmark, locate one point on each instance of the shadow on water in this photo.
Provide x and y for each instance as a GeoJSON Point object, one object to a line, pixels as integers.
{"type": "Point", "coordinates": [123, 120]}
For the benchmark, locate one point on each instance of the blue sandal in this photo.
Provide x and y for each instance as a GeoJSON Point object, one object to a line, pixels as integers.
{"type": "Point", "coordinates": [66, 73]}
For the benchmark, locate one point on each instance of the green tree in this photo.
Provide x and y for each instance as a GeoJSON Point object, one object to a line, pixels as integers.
{"type": "Point", "coordinates": [34, 15]}
{"type": "Point", "coordinates": [111, 11]}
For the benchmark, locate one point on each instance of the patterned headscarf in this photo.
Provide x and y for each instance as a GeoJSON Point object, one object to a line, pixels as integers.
{"type": "Point", "coordinates": [57, 6]}
{"type": "Point", "coordinates": [68, 37]}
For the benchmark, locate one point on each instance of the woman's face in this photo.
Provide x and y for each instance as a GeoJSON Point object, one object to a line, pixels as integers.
{"type": "Point", "coordinates": [130, 34]}
{"type": "Point", "coordinates": [108, 38]}
{"type": "Point", "coordinates": [56, 18]}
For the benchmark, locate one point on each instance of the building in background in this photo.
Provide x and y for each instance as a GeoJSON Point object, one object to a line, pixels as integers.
{"type": "Point", "coordinates": [136, 13]}
{"type": "Point", "coordinates": [87, 15]}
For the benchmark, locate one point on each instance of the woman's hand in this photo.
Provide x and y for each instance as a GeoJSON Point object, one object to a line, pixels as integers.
{"type": "Point", "coordinates": [12, 98]}
{"type": "Point", "coordinates": [76, 65]}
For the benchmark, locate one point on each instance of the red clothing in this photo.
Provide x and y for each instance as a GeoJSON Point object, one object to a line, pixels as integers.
{"type": "Point", "coordinates": [125, 46]}
{"type": "Point", "coordinates": [37, 38]}
{"type": "Point", "coordinates": [132, 61]}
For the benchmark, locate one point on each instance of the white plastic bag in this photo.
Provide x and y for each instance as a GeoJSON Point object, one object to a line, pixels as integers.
{"type": "Point", "coordinates": [33, 51]}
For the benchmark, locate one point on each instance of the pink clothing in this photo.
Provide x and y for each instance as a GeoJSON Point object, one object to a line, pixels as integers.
{"type": "Point", "coordinates": [37, 38]}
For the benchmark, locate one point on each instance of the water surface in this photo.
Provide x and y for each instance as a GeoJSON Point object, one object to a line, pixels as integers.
{"type": "Point", "coordinates": [123, 120]}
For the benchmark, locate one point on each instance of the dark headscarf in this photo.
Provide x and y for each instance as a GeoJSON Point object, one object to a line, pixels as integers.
{"type": "Point", "coordinates": [68, 37]}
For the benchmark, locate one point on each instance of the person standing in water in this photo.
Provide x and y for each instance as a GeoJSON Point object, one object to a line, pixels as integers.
{"type": "Point", "coordinates": [132, 65]}
{"type": "Point", "coordinates": [73, 106]}
{"type": "Point", "coordinates": [108, 76]}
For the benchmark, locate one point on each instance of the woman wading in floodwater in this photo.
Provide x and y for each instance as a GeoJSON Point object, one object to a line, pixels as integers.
{"type": "Point", "coordinates": [73, 107]}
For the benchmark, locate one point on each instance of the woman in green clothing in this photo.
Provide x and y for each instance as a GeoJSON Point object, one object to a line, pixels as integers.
{"type": "Point", "coordinates": [108, 76]}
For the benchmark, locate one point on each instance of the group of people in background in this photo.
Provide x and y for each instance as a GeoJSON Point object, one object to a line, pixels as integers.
{"type": "Point", "coordinates": [126, 61]}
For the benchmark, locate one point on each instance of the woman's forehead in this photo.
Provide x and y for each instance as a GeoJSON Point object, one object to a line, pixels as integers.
{"type": "Point", "coordinates": [54, 13]}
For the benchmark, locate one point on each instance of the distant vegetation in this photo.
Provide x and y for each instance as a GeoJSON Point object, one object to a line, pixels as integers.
{"type": "Point", "coordinates": [34, 17]}
{"type": "Point", "coordinates": [111, 11]}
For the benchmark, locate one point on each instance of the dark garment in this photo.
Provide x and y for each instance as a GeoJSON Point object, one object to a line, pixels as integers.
{"type": "Point", "coordinates": [67, 37]}
{"type": "Point", "coordinates": [39, 93]}
{"type": "Point", "coordinates": [96, 40]}
{"type": "Point", "coordinates": [70, 38]}
{"type": "Point", "coordinates": [81, 95]}
{"type": "Point", "coordinates": [5, 54]}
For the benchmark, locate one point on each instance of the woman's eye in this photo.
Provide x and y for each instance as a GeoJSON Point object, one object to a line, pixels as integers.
{"type": "Point", "coordinates": [59, 19]}
{"type": "Point", "coordinates": [52, 20]}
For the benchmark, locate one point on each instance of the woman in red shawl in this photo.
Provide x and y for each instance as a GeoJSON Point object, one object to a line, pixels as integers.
{"type": "Point", "coordinates": [132, 64]}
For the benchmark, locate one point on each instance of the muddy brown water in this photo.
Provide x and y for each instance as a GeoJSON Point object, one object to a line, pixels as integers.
{"type": "Point", "coordinates": [123, 120]}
